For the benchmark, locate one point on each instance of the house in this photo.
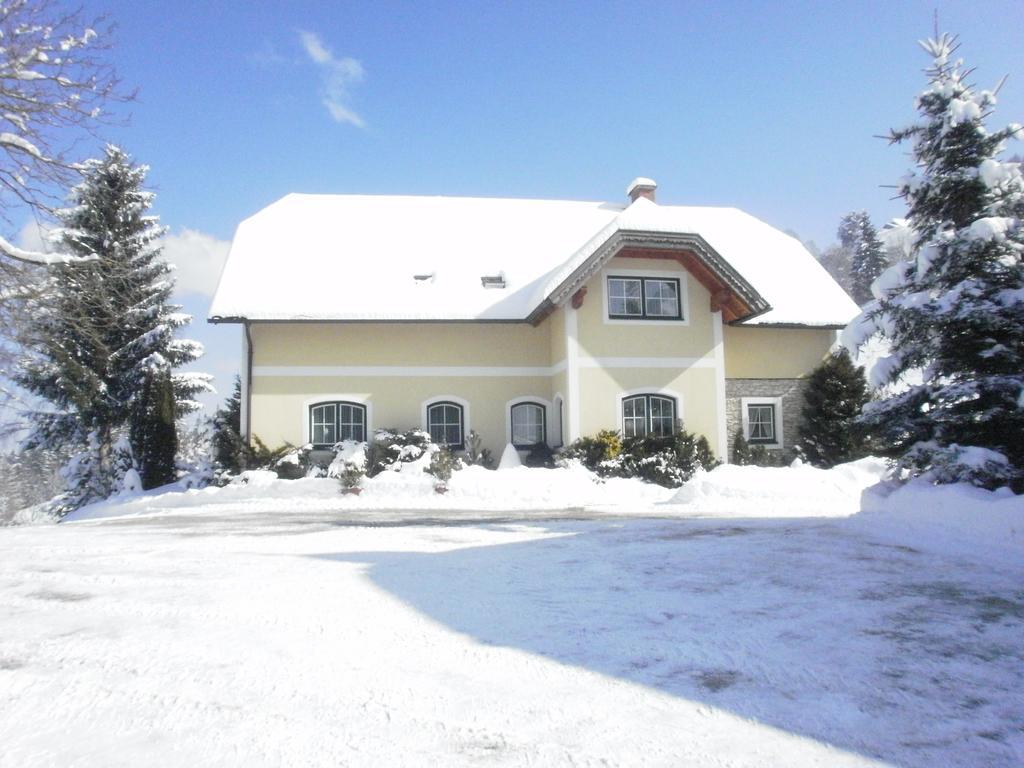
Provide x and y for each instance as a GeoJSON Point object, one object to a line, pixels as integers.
{"type": "Point", "coordinates": [523, 320]}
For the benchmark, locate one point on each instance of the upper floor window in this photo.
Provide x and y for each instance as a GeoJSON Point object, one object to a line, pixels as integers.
{"type": "Point", "coordinates": [528, 424]}
{"type": "Point", "coordinates": [644, 298]}
{"type": "Point", "coordinates": [653, 415]}
{"type": "Point", "coordinates": [445, 424]}
{"type": "Point", "coordinates": [331, 423]}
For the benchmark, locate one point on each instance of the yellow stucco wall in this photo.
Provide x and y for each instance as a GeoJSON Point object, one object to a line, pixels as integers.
{"type": "Point", "coordinates": [408, 344]}
{"type": "Point", "coordinates": [280, 404]}
{"type": "Point", "coordinates": [600, 337]}
{"type": "Point", "coordinates": [774, 353]}
{"type": "Point", "coordinates": [555, 323]}
{"type": "Point", "coordinates": [694, 389]}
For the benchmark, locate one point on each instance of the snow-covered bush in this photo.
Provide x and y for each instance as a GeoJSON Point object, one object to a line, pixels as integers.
{"type": "Point", "coordinates": [349, 464]}
{"type": "Point", "coordinates": [442, 464]}
{"type": "Point", "coordinates": [591, 451]}
{"type": "Point", "coordinates": [666, 461]}
{"type": "Point", "coordinates": [390, 449]}
{"type": "Point", "coordinates": [295, 463]}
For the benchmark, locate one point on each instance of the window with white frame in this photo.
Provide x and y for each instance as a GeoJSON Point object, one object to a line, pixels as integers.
{"type": "Point", "coordinates": [445, 424]}
{"type": "Point", "coordinates": [644, 298]}
{"type": "Point", "coordinates": [528, 424]}
{"type": "Point", "coordinates": [762, 420]}
{"type": "Point", "coordinates": [653, 415]}
{"type": "Point", "coordinates": [333, 422]}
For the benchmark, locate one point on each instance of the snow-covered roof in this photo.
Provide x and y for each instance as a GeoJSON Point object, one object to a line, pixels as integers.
{"type": "Point", "coordinates": [358, 257]}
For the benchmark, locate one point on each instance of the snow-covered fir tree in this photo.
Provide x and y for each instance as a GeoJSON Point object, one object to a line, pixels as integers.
{"type": "Point", "coordinates": [106, 326]}
{"type": "Point", "coordinates": [867, 254]}
{"type": "Point", "coordinates": [954, 311]}
{"type": "Point", "coordinates": [836, 392]}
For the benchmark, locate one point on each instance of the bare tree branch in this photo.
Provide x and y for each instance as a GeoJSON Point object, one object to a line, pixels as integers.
{"type": "Point", "coordinates": [54, 86]}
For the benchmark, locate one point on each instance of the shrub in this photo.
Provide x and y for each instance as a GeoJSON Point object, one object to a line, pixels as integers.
{"type": "Point", "coordinates": [390, 448]}
{"type": "Point", "coordinates": [744, 454]}
{"type": "Point", "coordinates": [830, 432]}
{"type": "Point", "coordinates": [442, 464]}
{"type": "Point", "coordinates": [604, 446]}
{"type": "Point", "coordinates": [350, 475]}
{"type": "Point", "coordinates": [294, 464]}
{"type": "Point", "coordinates": [230, 452]}
{"type": "Point", "coordinates": [475, 455]}
{"type": "Point", "coordinates": [666, 461]}
{"type": "Point", "coordinates": [349, 464]}
{"type": "Point", "coordinates": [540, 455]}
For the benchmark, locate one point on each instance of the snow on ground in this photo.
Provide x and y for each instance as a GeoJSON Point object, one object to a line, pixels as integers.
{"type": "Point", "coordinates": [253, 626]}
{"type": "Point", "coordinates": [473, 489]}
{"type": "Point", "coordinates": [797, 491]}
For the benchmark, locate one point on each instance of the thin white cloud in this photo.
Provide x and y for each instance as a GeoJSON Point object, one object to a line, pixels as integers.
{"type": "Point", "coordinates": [337, 76]}
{"type": "Point", "coordinates": [199, 259]}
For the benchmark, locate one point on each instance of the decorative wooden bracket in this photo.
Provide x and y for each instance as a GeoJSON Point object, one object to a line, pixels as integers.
{"type": "Point", "coordinates": [577, 298]}
{"type": "Point", "coordinates": [720, 300]}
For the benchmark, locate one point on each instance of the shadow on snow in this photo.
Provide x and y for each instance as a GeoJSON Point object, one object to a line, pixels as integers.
{"type": "Point", "coordinates": [872, 648]}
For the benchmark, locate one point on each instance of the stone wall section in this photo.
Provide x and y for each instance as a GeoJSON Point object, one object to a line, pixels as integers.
{"type": "Point", "coordinates": [790, 390]}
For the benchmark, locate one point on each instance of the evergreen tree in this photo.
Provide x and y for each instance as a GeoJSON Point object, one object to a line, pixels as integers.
{"type": "Point", "coordinates": [106, 325]}
{"type": "Point", "coordinates": [867, 254]}
{"type": "Point", "coordinates": [229, 449]}
{"type": "Point", "coordinates": [955, 310]}
{"type": "Point", "coordinates": [836, 392]}
{"type": "Point", "coordinates": [153, 431]}
{"type": "Point", "coordinates": [836, 260]}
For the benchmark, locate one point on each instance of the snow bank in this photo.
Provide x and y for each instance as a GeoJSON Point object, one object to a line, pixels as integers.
{"type": "Point", "coordinates": [955, 519]}
{"type": "Point", "coordinates": [797, 491]}
{"type": "Point", "coordinates": [407, 488]}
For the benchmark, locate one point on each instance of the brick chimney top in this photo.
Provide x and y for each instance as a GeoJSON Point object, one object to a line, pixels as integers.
{"type": "Point", "coordinates": [641, 187]}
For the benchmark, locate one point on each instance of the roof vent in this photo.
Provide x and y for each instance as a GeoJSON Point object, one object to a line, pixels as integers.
{"type": "Point", "coordinates": [493, 281]}
{"type": "Point", "coordinates": [641, 187]}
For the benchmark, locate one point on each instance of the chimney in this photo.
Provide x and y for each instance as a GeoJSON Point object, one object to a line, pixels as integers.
{"type": "Point", "coordinates": [641, 187]}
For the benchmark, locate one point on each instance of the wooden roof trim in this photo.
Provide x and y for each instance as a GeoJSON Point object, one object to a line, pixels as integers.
{"type": "Point", "coordinates": [736, 297]}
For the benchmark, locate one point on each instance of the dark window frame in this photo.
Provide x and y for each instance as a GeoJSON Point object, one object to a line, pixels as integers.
{"type": "Point", "coordinates": [643, 280]}
{"type": "Point", "coordinates": [462, 423]}
{"type": "Point", "coordinates": [648, 416]}
{"type": "Point", "coordinates": [337, 404]}
{"type": "Point", "coordinates": [774, 439]}
{"type": "Point", "coordinates": [543, 423]}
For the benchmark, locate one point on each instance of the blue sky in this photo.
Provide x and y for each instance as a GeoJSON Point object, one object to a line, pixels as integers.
{"type": "Point", "coordinates": [770, 107]}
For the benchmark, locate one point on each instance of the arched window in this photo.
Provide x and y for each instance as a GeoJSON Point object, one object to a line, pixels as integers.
{"type": "Point", "coordinates": [648, 415]}
{"type": "Point", "coordinates": [444, 423]}
{"type": "Point", "coordinates": [528, 424]}
{"type": "Point", "coordinates": [331, 423]}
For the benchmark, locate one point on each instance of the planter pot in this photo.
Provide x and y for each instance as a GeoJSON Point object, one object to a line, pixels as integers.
{"type": "Point", "coordinates": [354, 491]}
